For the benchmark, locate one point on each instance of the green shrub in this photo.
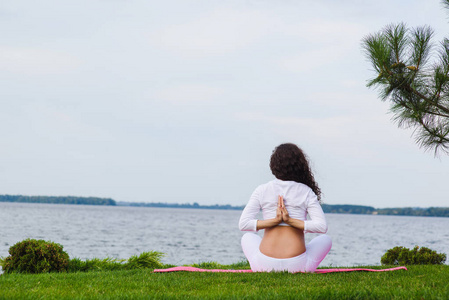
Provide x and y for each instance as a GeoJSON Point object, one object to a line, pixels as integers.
{"type": "Point", "coordinates": [208, 265]}
{"type": "Point", "coordinates": [146, 260]}
{"type": "Point", "coordinates": [95, 264]}
{"type": "Point", "coordinates": [415, 256]}
{"type": "Point", "coordinates": [35, 256]}
{"type": "Point", "coordinates": [244, 264]}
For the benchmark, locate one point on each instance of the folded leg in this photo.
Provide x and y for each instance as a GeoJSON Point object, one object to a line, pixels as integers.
{"type": "Point", "coordinates": [316, 251]}
{"type": "Point", "coordinates": [250, 246]}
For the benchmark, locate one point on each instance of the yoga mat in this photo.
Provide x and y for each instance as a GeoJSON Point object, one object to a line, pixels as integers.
{"type": "Point", "coordinates": [320, 271]}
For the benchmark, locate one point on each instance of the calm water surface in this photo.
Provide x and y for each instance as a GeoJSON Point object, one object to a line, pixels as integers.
{"type": "Point", "coordinates": [195, 235]}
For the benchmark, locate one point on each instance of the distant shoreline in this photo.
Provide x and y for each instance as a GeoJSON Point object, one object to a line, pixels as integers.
{"type": "Point", "coordinates": [58, 200]}
{"type": "Point", "coordinates": [327, 208]}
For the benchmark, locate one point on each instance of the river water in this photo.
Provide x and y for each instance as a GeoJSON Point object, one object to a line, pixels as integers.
{"type": "Point", "coordinates": [189, 236]}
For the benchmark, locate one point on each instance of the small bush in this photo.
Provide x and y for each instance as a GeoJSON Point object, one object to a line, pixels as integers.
{"type": "Point", "coordinates": [208, 265]}
{"type": "Point", "coordinates": [244, 264]}
{"type": "Point", "coordinates": [146, 260]}
{"type": "Point", "coordinates": [95, 264]}
{"type": "Point", "coordinates": [35, 256]}
{"type": "Point", "coordinates": [415, 256]}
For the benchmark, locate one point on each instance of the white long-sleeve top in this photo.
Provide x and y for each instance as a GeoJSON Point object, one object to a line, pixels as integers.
{"type": "Point", "coordinates": [299, 200]}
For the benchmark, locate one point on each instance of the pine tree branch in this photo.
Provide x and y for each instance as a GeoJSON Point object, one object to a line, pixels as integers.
{"type": "Point", "coordinates": [427, 99]}
{"type": "Point", "coordinates": [431, 132]}
{"type": "Point", "coordinates": [419, 94]}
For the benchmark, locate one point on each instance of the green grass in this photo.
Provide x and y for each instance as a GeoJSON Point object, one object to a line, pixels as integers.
{"type": "Point", "coordinates": [419, 282]}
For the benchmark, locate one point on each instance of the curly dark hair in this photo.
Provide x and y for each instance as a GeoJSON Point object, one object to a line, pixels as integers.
{"type": "Point", "coordinates": [288, 162]}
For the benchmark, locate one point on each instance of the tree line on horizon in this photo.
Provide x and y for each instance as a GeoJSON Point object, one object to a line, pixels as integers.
{"type": "Point", "coordinates": [58, 200]}
{"type": "Point", "coordinates": [327, 208]}
{"type": "Point", "coordinates": [180, 205]}
{"type": "Point", "coordinates": [396, 211]}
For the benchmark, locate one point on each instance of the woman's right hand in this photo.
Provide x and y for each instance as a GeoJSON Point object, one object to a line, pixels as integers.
{"type": "Point", "coordinates": [284, 212]}
{"type": "Point", "coordinates": [286, 217]}
{"type": "Point", "coordinates": [279, 209]}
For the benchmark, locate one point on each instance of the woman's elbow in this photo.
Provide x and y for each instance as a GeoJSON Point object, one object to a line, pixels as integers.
{"type": "Point", "coordinates": [242, 225]}
{"type": "Point", "coordinates": [246, 225]}
{"type": "Point", "coordinates": [317, 227]}
{"type": "Point", "coordinates": [322, 228]}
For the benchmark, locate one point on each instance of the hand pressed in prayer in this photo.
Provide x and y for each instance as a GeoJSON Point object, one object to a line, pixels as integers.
{"type": "Point", "coordinates": [284, 212]}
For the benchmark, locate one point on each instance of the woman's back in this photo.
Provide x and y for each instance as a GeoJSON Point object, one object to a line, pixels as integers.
{"type": "Point", "coordinates": [295, 196]}
{"type": "Point", "coordinates": [282, 242]}
{"type": "Point", "coordinates": [299, 201]}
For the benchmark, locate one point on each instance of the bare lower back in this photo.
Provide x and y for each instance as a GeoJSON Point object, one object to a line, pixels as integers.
{"type": "Point", "coordinates": [282, 242]}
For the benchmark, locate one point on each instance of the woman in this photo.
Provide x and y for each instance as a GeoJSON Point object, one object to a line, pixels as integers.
{"type": "Point", "coordinates": [285, 203]}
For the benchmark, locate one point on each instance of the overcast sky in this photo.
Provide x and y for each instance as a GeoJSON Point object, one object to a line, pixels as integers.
{"type": "Point", "coordinates": [184, 101]}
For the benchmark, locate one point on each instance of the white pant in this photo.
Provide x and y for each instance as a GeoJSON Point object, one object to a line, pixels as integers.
{"type": "Point", "coordinates": [316, 250]}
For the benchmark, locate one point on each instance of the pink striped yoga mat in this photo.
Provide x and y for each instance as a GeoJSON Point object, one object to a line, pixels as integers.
{"type": "Point", "coordinates": [320, 271]}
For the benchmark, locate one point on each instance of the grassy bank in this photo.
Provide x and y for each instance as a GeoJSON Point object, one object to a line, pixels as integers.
{"type": "Point", "coordinates": [419, 282]}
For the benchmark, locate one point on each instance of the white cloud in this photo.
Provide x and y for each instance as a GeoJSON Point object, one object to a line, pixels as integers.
{"type": "Point", "coordinates": [220, 32]}
{"type": "Point", "coordinates": [35, 61]}
{"type": "Point", "coordinates": [311, 60]}
{"type": "Point", "coordinates": [324, 43]}
{"type": "Point", "coordinates": [355, 100]}
{"type": "Point", "coordinates": [56, 123]}
{"type": "Point", "coordinates": [322, 128]}
{"type": "Point", "coordinates": [188, 93]}
{"type": "Point", "coordinates": [226, 31]}
{"type": "Point", "coordinates": [353, 83]}
{"type": "Point", "coordinates": [325, 31]}
{"type": "Point", "coordinates": [352, 135]}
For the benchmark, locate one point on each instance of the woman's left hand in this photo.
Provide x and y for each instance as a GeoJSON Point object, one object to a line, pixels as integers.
{"type": "Point", "coordinates": [285, 215]}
